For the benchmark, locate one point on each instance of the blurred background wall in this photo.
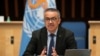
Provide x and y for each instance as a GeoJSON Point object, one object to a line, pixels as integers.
{"type": "Point", "coordinates": [82, 10]}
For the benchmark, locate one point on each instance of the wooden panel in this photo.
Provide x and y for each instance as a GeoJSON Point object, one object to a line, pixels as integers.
{"type": "Point", "coordinates": [2, 42]}
{"type": "Point", "coordinates": [7, 30]}
{"type": "Point", "coordinates": [6, 8]}
{"type": "Point", "coordinates": [82, 8]}
{"type": "Point", "coordinates": [63, 9]}
{"type": "Point", "coordinates": [94, 31]}
{"type": "Point", "coordinates": [73, 8]}
{"type": "Point", "coordinates": [16, 8]}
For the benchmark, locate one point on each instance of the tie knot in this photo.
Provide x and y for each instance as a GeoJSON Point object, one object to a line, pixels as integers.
{"type": "Point", "coordinates": [52, 35]}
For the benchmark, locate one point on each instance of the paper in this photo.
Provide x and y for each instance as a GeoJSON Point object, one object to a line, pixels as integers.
{"type": "Point", "coordinates": [1, 18]}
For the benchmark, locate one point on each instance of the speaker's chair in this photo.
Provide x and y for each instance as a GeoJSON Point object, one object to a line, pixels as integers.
{"type": "Point", "coordinates": [79, 29]}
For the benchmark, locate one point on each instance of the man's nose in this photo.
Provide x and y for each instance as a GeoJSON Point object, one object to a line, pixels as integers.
{"type": "Point", "coordinates": [50, 21]}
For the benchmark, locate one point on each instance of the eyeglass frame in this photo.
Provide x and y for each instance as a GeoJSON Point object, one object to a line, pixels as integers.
{"type": "Point", "coordinates": [51, 19]}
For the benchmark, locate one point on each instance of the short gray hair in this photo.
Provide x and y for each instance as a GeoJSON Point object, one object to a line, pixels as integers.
{"type": "Point", "coordinates": [53, 10]}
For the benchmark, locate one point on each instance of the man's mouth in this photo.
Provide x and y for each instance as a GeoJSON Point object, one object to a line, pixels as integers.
{"type": "Point", "coordinates": [51, 25]}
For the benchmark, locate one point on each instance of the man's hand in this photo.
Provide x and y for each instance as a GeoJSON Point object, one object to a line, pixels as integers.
{"type": "Point", "coordinates": [54, 52]}
{"type": "Point", "coordinates": [43, 53]}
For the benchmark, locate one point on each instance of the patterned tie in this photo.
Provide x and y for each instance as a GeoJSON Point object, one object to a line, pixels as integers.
{"type": "Point", "coordinates": [51, 44]}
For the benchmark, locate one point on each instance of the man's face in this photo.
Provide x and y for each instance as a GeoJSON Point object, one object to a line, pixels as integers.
{"type": "Point", "coordinates": [52, 21]}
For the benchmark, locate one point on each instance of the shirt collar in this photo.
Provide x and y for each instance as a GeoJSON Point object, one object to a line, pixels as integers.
{"type": "Point", "coordinates": [55, 33]}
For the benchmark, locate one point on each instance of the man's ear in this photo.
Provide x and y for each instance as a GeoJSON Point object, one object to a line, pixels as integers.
{"type": "Point", "coordinates": [59, 21]}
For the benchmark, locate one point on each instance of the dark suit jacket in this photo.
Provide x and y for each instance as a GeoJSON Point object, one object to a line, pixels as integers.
{"type": "Point", "coordinates": [65, 40]}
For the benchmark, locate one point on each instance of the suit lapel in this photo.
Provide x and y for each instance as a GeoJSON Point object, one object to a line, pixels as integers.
{"type": "Point", "coordinates": [59, 37]}
{"type": "Point", "coordinates": [44, 37]}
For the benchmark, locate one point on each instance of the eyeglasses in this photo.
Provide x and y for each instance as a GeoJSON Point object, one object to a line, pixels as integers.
{"type": "Point", "coordinates": [51, 19]}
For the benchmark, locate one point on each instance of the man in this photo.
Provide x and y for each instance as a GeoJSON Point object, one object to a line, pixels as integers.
{"type": "Point", "coordinates": [40, 43]}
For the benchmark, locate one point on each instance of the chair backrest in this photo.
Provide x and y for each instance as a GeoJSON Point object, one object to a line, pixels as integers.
{"type": "Point", "coordinates": [79, 29]}
{"type": "Point", "coordinates": [77, 52]}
